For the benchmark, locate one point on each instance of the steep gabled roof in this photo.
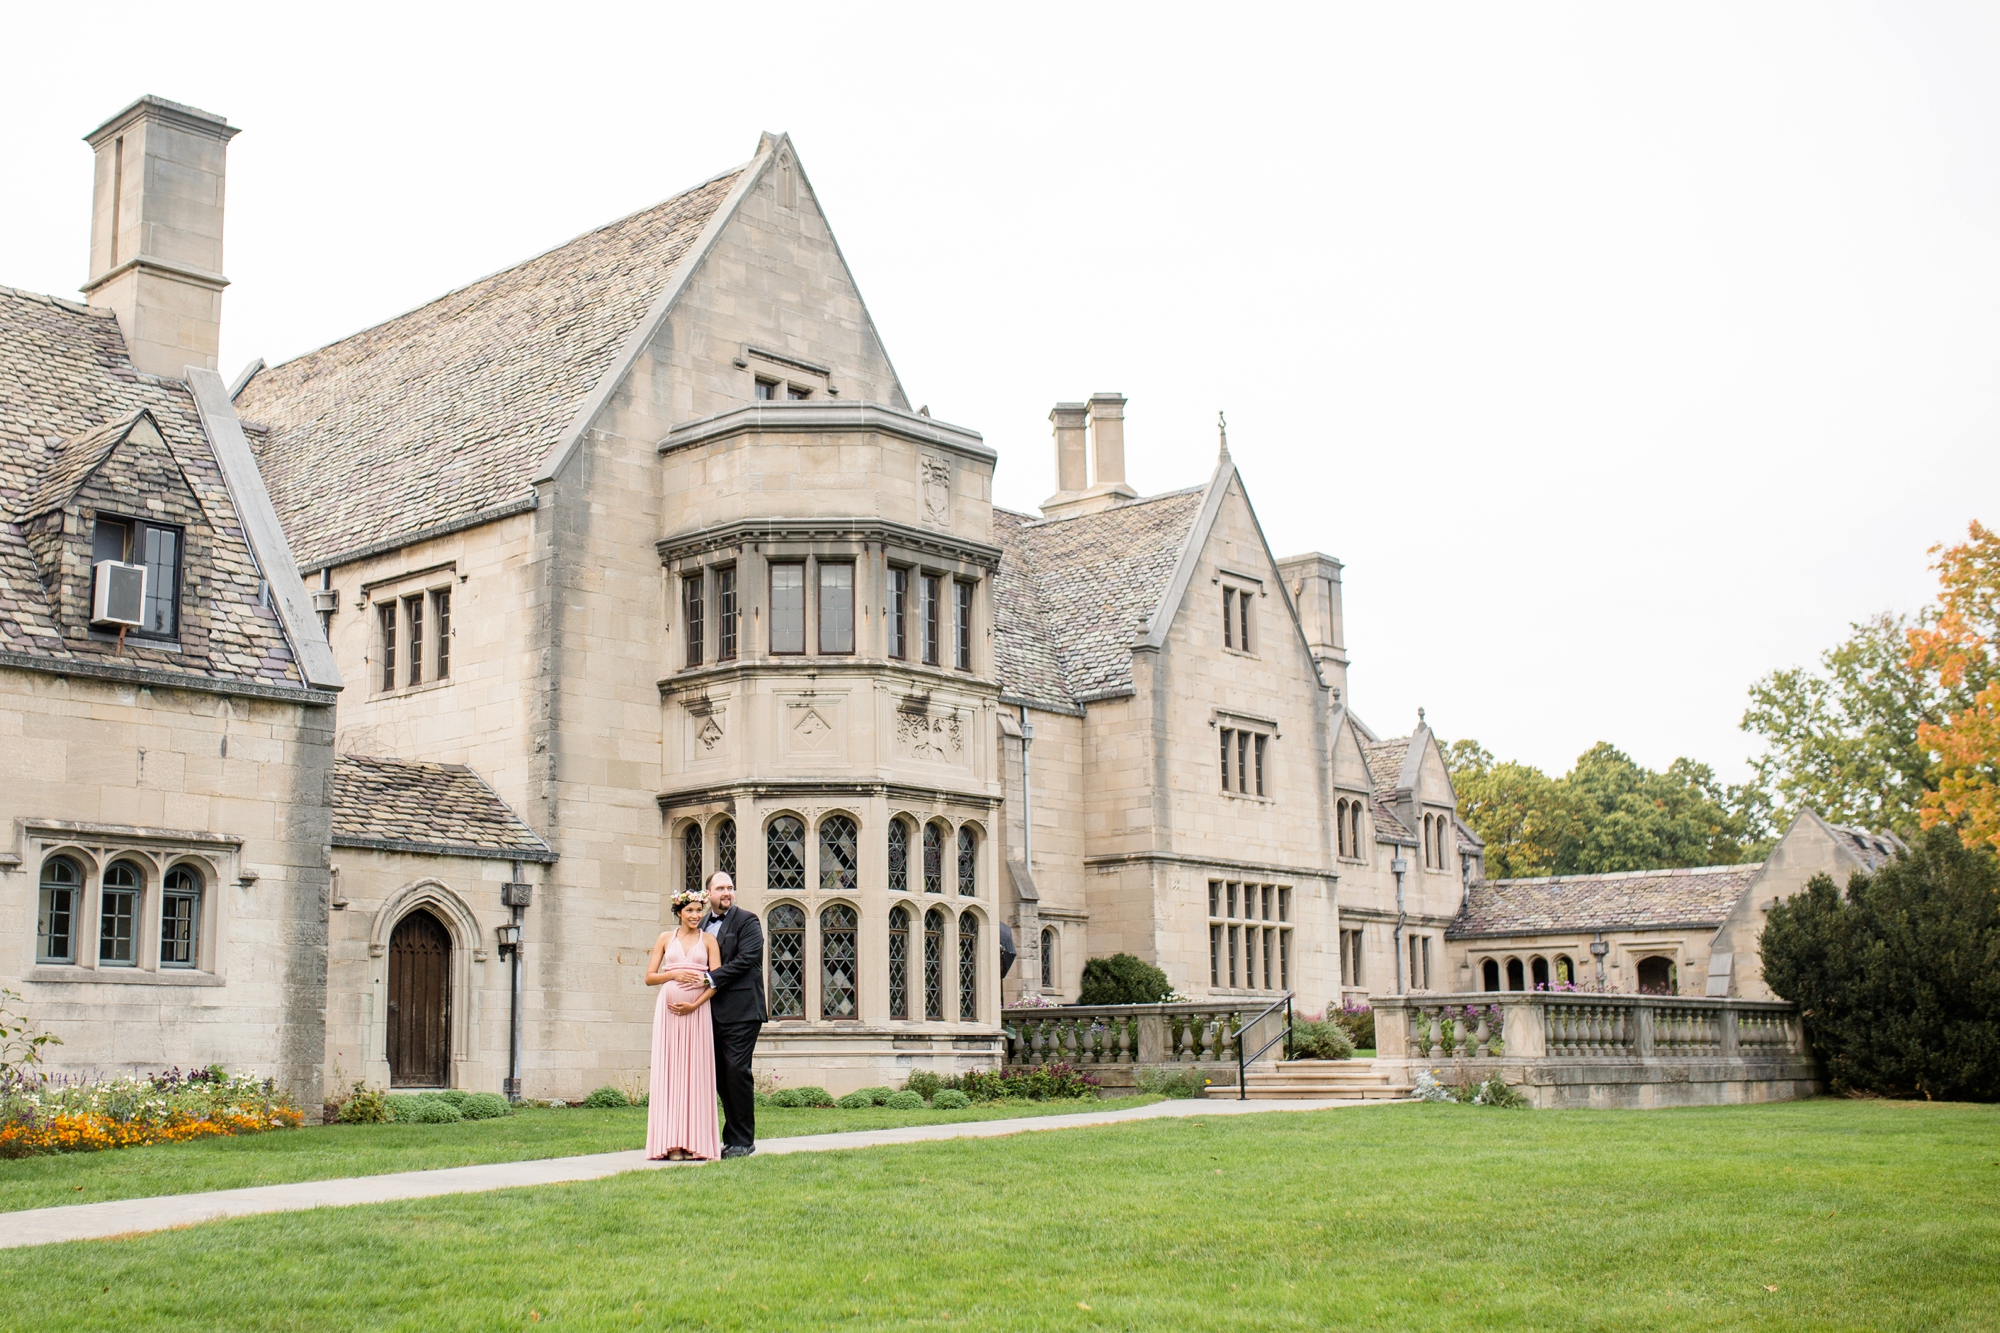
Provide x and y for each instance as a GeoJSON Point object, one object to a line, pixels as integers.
{"type": "Point", "coordinates": [1385, 764]}
{"type": "Point", "coordinates": [1569, 904]}
{"type": "Point", "coordinates": [446, 413]}
{"type": "Point", "coordinates": [414, 806]}
{"type": "Point", "coordinates": [1076, 593]}
{"type": "Point", "coordinates": [69, 395]}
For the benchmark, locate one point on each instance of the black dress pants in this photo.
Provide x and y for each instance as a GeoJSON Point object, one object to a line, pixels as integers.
{"type": "Point", "coordinates": [734, 1045]}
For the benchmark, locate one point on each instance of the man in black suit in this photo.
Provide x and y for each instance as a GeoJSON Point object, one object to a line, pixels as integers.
{"type": "Point", "coordinates": [737, 1011]}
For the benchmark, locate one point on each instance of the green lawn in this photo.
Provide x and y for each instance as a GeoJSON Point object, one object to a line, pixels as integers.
{"type": "Point", "coordinates": [322, 1153]}
{"type": "Point", "coordinates": [1817, 1215]}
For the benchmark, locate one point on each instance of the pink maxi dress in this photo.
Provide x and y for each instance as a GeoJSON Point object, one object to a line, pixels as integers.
{"type": "Point", "coordinates": [681, 1108]}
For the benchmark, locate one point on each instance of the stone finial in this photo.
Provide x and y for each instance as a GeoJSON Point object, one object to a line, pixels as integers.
{"type": "Point", "coordinates": [1222, 428]}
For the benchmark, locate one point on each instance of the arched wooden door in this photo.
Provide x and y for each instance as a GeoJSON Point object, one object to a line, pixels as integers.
{"type": "Point", "coordinates": [419, 1003]}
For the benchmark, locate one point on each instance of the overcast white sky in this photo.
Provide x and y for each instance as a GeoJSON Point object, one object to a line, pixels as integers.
{"type": "Point", "coordinates": [1623, 353]}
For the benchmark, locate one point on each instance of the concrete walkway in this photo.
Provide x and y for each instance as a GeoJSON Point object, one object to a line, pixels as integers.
{"type": "Point", "coordinates": [130, 1217]}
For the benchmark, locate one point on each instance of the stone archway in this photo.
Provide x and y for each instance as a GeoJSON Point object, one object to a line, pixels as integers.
{"type": "Point", "coordinates": [1658, 976]}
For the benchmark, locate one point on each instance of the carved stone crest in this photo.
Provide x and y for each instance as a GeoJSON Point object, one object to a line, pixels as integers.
{"type": "Point", "coordinates": [940, 739]}
{"type": "Point", "coordinates": [811, 728]}
{"type": "Point", "coordinates": [934, 476]}
{"type": "Point", "coordinates": [708, 728]}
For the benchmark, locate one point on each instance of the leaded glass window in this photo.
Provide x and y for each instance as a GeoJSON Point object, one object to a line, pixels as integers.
{"type": "Point", "coordinates": [785, 854]}
{"type": "Point", "coordinates": [899, 962]}
{"type": "Point", "coordinates": [119, 918]}
{"type": "Point", "coordinates": [180, 917]}
{"type": "Point", "coordinates": [838, 854]}
{"type": "Point", "coordinates": [933, 858]}
{"type": "Point", "coordinates": [55, 923]}
{"type": "Point", "coordinates": [1048, 958]}
{"type": "Point", "coordinates": [968, 966]}
{"type": "Point", "coordinates": [788, 961]}
{"type": "Point", "coordinates": [899, 856]}
{"type": "Point", "coordinates": [691, 858]}
{"type": "Point", "coordinates": [836, 961]}
{"type": "Point", "coordinates": [968, 863]}
{"type": "Point", "coordinates": [934, 964]}
{"type": "Point", "coordinates": [725, 847]}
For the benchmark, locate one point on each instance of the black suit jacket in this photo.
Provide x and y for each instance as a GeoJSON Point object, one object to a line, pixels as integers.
{"type": "Point", "coordinates": [739, 978]}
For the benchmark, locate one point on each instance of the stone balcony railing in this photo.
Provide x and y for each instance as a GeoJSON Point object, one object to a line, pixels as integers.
{"type": "Point", "coordinates": [1114, 1041]}
{"type": "Point", "coordinates": [1582, 1049]}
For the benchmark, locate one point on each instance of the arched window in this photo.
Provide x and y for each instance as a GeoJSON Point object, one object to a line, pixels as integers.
{"type": "Point", "coordinates": [1538, 973]}
{"type": "Point", "coordinates": [838, 854]}
{"type": "Point", "coordinates": [1489, 975]}
{"type": "Point", "coordinates": [968, 863]}
{"type": "Point", "coordinates": [1516, 979]}
{"type": "Point", "coordinates": [1048, 958]}
{"type": "Point", "coordinates": [180, 917]}
{"type": "Point", "coordinates": [787, 926]}
{"type": "Point", "coordinates": [691, 858]}
{"type": "Point", "coordinates": [55, 922]}
{"type": "Point", "coordinates": [725, 847]}
{"type": "Point", "coordinates": [899, 961]}
{"type": "Point", "coordinates": [968, 966]}
{"type": "Point", "coordinates": [836, 961]}
{"type": "Point", "coordinates": [1657, 976]}
{"type": "Point", "coordinates": [117, 937]}
{"type": "Point", "coordinates": [1565, 970]}
{"type": "Point", "coordinates": [785, 854]}
{"type": "Point", "coordinates": [934, 964]}
{"type": "Point", "coordinates": [899, 856]}
{"type": "Point", "coordinates": [933, 858]}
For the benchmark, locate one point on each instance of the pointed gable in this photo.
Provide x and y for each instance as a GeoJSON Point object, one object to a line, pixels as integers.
{"type": "Point", "coordinates": [443, 414]}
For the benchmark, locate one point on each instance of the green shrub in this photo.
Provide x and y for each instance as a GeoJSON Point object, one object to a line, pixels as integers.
{"type": "Point", "coordinates": [1040, 1084]}
{"type": "Point", "coordinates": [951, 1099]}
{"type": "Point", "coordinates": [760, 1099]}
{"type": "Point", "coordinates": [1122, 979]}
{"type": "Point", "coordinates": [1495, 1092]}
{"type": "Point", "coordinates": [879, 1096]}
{"type": "Point", "coordinates": [1359, 1020]}
{"type": "Point", "coordinates": [787, 1098]}
{"type": "Point", "coordinates": [605, 1098]}
{"type": "Point", "coordinates": [484, 1106]}
{"type": "Point", "coordinates": [905, 1100]}
{"type": "Point", "coordinates": [1898, 980]}
{"type": "Point", "coordinates": [456, 1096]}
{"type": "Point", "coordinates": [813, 1096]}
{"type": "Point", "coordinates": [366, 1107]}
{"type": "Point", "coordinates": [422, 1108]}
{"type": "Point", "coordinates": [1320, 1039]}
{"type": "Point", "coordinates": [1155, 1081]}
{"type": "Point", "coordinates": [924, 1083]}
{"type": "Point", "coordinates": [855, 1101]}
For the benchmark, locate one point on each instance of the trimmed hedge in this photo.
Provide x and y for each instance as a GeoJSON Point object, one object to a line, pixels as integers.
{"type": "Point", "coordinates": [905, 1101]}
{"type": "Point", "coordinates": [951, 1099]}
{"type": "Point", "coordinates": [1122, 979]}
{"type": "Point", "coordinates": [605, 1098]}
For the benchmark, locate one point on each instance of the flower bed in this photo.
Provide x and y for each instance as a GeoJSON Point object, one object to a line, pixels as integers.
{"type": "Point", "coordinates": [55, 1115]}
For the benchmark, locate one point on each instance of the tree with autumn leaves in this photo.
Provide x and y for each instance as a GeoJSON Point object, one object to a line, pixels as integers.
{"type": "Point", "coordinates": [1961, 646]}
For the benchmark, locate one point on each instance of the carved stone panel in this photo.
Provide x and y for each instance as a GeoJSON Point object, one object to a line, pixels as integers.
{"type": "Point", "coordinates": [932, 733]}
{"type": "Point", "coordinates": [705, 729]}
{"type": "Point", "coordinates": [813, 727]}
{"type": "Point", "coordinates": [934, 489]}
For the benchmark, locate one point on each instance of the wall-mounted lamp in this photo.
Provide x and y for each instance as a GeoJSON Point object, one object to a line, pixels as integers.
{"type": "Point", "coordinates": [508, 936]}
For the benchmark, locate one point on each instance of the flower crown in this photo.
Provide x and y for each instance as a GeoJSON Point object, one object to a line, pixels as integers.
{"type": "Point", "coordinates": [686, 896]}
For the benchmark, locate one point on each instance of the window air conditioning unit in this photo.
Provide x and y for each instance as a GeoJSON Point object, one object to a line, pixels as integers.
{"type": "Point", "coordinates": [118, 594]}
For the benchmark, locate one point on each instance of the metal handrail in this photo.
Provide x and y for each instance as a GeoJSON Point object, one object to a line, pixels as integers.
{"type": "Point", "coordinates": [1243, 1062]}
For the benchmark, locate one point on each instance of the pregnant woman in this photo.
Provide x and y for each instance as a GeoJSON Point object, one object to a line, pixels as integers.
{"type": "Point", "coordinates": [680, 1120]}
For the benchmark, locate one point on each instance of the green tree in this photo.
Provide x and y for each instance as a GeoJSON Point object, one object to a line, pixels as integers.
{"type": "Point", "coordinates": [1898, 980]}
{"type": "Point", "coordinates": [1606, 814]}
{"type": "Point", "coordinates": [1843, 740]}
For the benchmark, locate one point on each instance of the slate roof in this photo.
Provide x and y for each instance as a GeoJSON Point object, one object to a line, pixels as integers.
{"type": "Point", "coordinates": [442, 413]}
{"type": "Point", "coordinates": [68, 391]}
{"type": "Point", "coordinates": [414, 806]}
{"type": "Point", "coordinates": [1873, 850]}
{"type": "Point", "coordinates": [1074, 593]}
{"type": "Point", "coordinates": [1385, 763]}
{"type": "Point", "coordinates": [1567, 904]}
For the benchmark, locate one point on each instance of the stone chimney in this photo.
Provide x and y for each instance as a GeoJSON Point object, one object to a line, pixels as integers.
{"type": "Point", "coordinates": [1313, 581]}
{"type": "Point", "coordinates": [156, 232]}
{"type": "Point", "coordinates": [1077, 493]}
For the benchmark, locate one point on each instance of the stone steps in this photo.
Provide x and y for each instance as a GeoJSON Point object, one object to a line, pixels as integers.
{"type": "Point", "coordinates": [1319, 1080]}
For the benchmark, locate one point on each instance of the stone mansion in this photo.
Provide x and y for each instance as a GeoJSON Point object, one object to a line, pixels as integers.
{"type": "Point", "coordinates": [470, 637]}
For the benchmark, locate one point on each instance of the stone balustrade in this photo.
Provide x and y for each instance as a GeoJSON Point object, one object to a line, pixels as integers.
{"type": "Point", "coordinates": [1118, 1039]}
{"type": "Point", "coordinates": [1578, 1048]}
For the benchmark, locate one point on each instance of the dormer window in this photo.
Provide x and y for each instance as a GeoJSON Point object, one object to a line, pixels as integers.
{"type": "Point", "coordinates": [157, 547]}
